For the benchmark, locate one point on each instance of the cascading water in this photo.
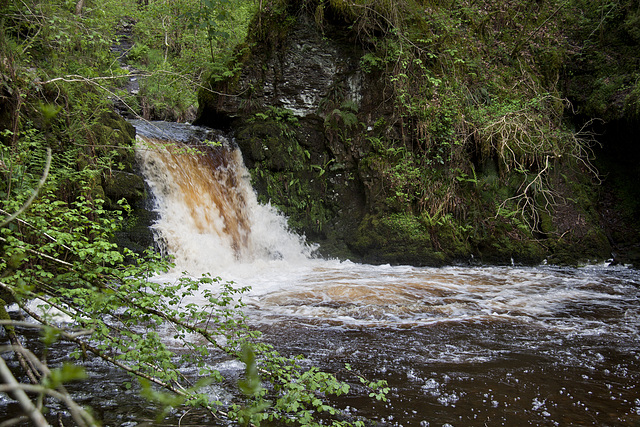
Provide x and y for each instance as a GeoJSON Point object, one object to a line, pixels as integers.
{"type": "Point", "coordinates": [459, 345]}
{"type": "Point", "coordinates": [209, 216]}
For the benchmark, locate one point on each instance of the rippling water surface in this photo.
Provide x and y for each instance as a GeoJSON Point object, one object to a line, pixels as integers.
{"type": "Point", "coordinates": [460, 346]}
{"type": "Point", "coordinates": [466, 346]}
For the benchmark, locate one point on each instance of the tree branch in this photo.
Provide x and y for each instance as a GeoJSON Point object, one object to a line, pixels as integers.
{"type": "Point", "coordinates": [27, 405]}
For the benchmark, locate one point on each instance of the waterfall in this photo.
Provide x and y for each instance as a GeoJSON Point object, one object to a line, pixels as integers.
{"type": "Point", "coordinates": [209, 215]}
{"type": "Point", "coordinates": [548, 343]}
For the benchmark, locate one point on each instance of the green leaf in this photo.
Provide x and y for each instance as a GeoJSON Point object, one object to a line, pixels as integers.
{"type": "Point", "coordinates": [250, 385]}
{"type": "Point", "coordinates": [66, 373]}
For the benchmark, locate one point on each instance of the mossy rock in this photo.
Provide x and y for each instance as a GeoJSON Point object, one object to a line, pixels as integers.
{"type": "Point", "coordinates": [113, 137]}
{"type": "Point", "coordinates": [123, 185]}
{"type": "Point", "coordinates": [135, 233]}
{"type": "Point", "coordinates": [272, 142]}
{"type": "Point", "coordinates": [580, 246]}
{"type": "Point", "coordinates": [451, 242]}
{"type": "Point", "coordinates": [500, 241]}
{"type": "Point", "coordinates": [126, 131]}
{"type": "Point", "coordinates": [505, 250]}
{"type": "Point", "coordinates": [574, 231]}
{"type": "Point", "coordinates": [396, 239]}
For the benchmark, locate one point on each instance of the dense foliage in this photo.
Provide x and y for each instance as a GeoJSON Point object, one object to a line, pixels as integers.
{"type": "Point", "coordinates": [472, 133]}
{"type": "Point", "coordinates": [469, 143]}
{"type": "Point", "coordinates": [62, 149]}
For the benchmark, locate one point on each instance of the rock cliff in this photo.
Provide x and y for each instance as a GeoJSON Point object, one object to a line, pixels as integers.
{"type": "Point", "coordinates": [378, 167]}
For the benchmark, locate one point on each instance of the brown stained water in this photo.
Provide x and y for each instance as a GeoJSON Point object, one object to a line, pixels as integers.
{"type": "Point", "coordinates": [459, 346]}
{"type": "Point", "coordinates": [471, 346]}
{"type": "Point", "coordinates": [462, 346]}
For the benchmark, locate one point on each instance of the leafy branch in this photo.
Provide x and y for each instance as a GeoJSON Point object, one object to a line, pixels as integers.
{"type": "Point", "coordinates": [119, 311]}
{"type": "Point", "coordinates": [33, 196]}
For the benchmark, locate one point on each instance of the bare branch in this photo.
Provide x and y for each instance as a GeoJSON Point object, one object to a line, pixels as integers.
{"type": "Point", "coordinates": [27, 405]}
{"type": "Point", "coordinates": [80, 416]}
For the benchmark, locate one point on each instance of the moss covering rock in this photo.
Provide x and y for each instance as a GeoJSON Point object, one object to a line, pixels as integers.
{"type": "Point", "coordinates": [427, 134]}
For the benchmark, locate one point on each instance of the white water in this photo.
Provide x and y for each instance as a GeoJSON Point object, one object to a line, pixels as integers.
{"type": "Point", "coordinates": [211, 227]}
{"type": "Point", "coordinates": [209, 216]}
{"type": "Point", "coordinates": [460, 346]}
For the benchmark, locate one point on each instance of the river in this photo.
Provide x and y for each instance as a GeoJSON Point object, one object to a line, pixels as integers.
{"type": "Point", "coordinates": [470, 346]}
{"type": "Point", "coordinates": [459, 345]}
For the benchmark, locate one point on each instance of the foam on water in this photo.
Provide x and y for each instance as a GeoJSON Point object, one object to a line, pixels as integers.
{"type": "Point", "coordinates": [209, 216]}
{"type": "Point", "coordinates": [211, 221]}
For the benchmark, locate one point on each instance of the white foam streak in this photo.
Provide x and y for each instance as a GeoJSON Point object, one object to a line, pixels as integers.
{"type": "Point", "coordinates": [364, 296]}
{"type": "Point", "coordinates": [211, 221]}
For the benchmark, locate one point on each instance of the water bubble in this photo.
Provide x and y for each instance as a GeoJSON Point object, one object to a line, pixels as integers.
{"type": "Point", "coordinates": [448, 399]}
{"type": "Point", "coordinates": [411, 375]}
{"type": "Point", "coordinates": [537, 404]}
{"type": "Point", "coordinates": [430, 384]}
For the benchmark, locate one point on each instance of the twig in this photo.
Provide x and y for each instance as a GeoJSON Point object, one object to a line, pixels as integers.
{"type": "Point", "coordinates": [49, 257]}
{"type": "Point", "coordinates": [21, 221]}
{"type": "Point", "coordinates": [80, 416]}
{"type": "Point", "coordinates": [63, 333]}
{"type": "Point", "coordinates": [71, 78]}
{"type": "Point", "coordinates": [24, 401]}
{"type": "Point", "coordinates": [75, 78]}
{"type": "Point", "coordinates": [517, 45]}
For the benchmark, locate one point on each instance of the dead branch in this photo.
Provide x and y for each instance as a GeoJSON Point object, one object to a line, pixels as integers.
{"type": "Point", "coordinates": [21, 396]}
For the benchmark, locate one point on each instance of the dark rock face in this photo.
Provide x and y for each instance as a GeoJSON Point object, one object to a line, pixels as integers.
{"type": "Point", "coordinates": [297, 75]}
{"type": "Point", "coordinates": [124, 185]}
{"type": "Point", "coordinates": [295, 85]}
{"type": "Point", "coordinates": [114, 185]}
{"type": "Point", "coordinates": [305, 115]}
{"type": "Point", "coordinates": [136, 233]}
{"type": "Point", "coordinates": [305, 73]}
{"type": "Point", "coordinates": [619, 202]}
